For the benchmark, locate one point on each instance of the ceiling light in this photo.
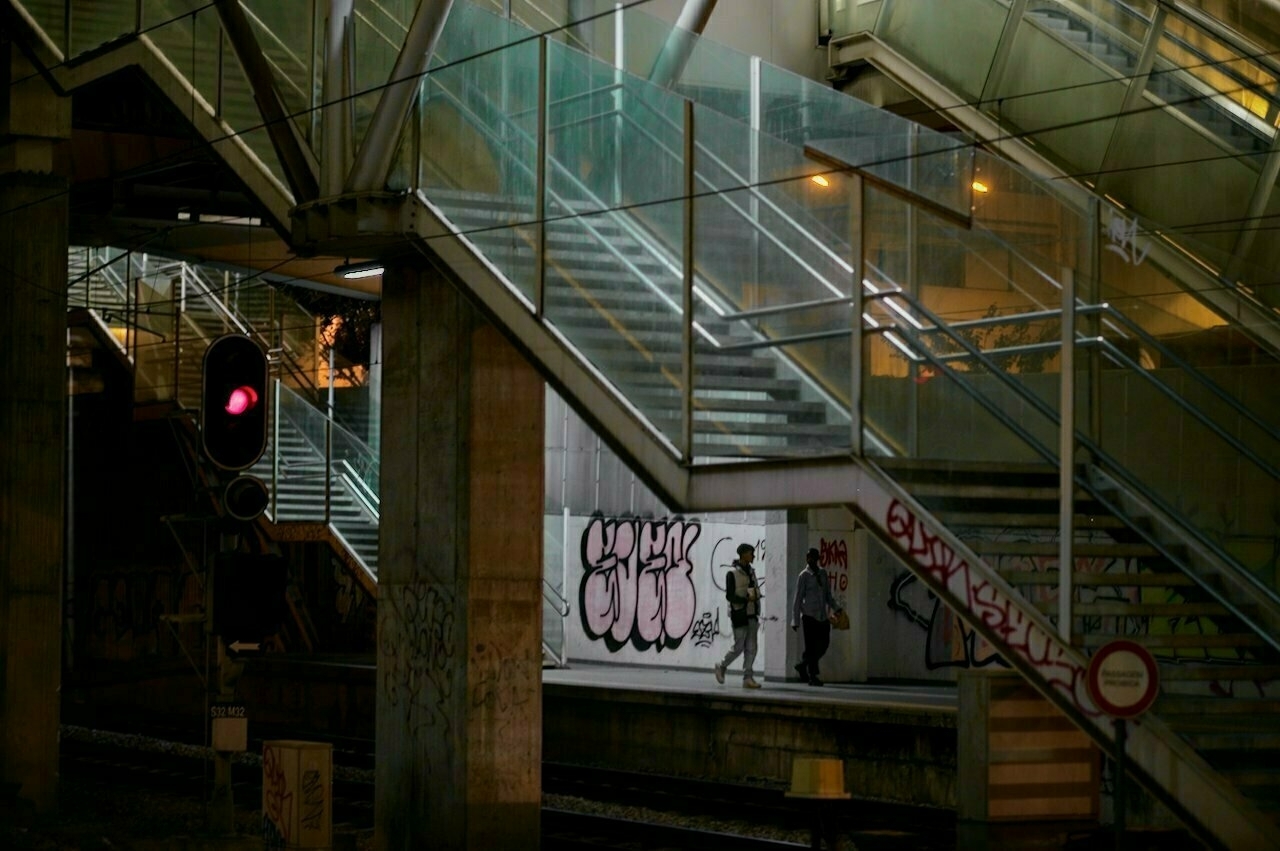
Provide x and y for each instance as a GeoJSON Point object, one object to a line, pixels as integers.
{"type": "Point", "coordinates": [352, 271]}
{"type": "Point", "coordinates": [820, 180]}
{"type": "Point", "coordinates": [979, 186]}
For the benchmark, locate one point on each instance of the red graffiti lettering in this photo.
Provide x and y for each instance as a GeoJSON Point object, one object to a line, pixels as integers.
{"type": "Point", "coordinates": [833, 554]}
{"type": "Point", "coordinates": [990, 606]}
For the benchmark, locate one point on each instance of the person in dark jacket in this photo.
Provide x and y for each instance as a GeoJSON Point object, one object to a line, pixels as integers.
{"type": "Point", "coordinates": [812, 607]}
{"type": "Point", "coordinates": [743, 591]}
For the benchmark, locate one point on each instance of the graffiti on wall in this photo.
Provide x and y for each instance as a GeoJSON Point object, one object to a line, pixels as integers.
{"type": "Point", "coordinates": [125, 609]}
{"type": "Point", "coordinates": [637, 584]}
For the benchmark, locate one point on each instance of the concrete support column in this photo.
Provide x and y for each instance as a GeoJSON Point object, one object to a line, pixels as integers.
{"type": "Point", "coordinates": [34, 124]}
{"type": "Point", "coordinates": [459, 714]}
{"type": "Point", "coordinates": [786, 535]}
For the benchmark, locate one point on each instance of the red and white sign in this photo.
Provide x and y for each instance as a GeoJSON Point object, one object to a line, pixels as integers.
{"type": "Point", "coordinates": [1123, 679]}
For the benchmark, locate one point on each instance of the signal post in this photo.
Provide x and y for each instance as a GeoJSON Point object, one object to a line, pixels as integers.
{"type": "Point", "coordinates": [246, 590]}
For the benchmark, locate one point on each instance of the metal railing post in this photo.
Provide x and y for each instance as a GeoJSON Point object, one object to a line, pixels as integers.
{"type": "Point", "coordinates": [687, 289]}
{"type": "Point", "coordinates": [1066, 456]}
{"type": "Point", "coordinates": [540, 186]}
{"type": "Point", "coordinates": [857, 236]}
{"type": "Point", "coordinates": [328, 471]}
{"type": "Point", "coordinates": [275, 451]}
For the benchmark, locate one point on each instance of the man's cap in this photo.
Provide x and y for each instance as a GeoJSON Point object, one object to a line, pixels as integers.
{"type": "Point", "coordinates": [812, 553]}
{"type": "Point", "coordinates": [745, 548]}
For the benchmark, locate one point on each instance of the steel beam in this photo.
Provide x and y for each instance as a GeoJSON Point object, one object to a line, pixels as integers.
{"type": "Point", "coordinates": [295, 155]}
{"type": "Point", "coordinates": [675, 54]}
{"type": "Point", "coordinates": [373, 161]}
{"type": "Point", "coordinates": [336, 117]}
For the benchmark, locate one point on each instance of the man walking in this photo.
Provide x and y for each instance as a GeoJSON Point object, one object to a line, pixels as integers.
{"type": "Point", "coordinates": [812, 607]}
{"type": "Point", "coordinates": [743, 592]}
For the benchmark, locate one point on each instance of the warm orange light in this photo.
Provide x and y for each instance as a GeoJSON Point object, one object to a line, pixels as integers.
{"type": "Point", "coordinates": [820, 180]}
{"type": "Point", "coordinates": [979, 186]}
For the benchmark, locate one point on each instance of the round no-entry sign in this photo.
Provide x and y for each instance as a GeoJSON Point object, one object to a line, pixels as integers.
{"type": "Point", "coordinates": [1123, 679]}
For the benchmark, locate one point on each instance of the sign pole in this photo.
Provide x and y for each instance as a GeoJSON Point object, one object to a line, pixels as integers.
{"type": "Point", "coordinates": [1123, 680]}
{"type": "Point", "coordinates": [1121, 771]}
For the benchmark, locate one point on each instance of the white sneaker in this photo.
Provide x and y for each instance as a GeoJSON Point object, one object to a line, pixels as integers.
{"type": "Point", "coordinates": [750, 682]}
{"type": "Point", "coordinates": [720, 674]}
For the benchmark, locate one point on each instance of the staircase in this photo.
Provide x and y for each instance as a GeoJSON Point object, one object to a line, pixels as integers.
{"type": "Point", "coordinates": [1212, 666]}
{"type": "Point", "coordinates": [745, 402]}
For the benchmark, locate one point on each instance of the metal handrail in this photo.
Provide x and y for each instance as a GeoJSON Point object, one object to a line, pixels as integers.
{"type": "Point", "coordinates": [923, 353]}
{"type": "Point", "coordinates": [555, 598]}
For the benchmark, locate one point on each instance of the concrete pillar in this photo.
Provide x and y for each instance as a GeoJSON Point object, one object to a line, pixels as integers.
{"type": "Point", "coordinates": [34, 124]}
{"type": "Point", "coordinates": [459, 712]}
{"type": "Point", "coordinates": [786, 535]}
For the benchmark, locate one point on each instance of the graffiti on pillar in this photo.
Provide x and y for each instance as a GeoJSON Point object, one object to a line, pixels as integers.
{"type": "Point", "coordinates": [504, 683]}
{"type": "Point", "coordinates": [277, 799]}
{"type": "Point", "coordinates": [1033, 643]}
{"type": "Point", "coordinates": [637, 584]}
{"type": "Point", "coordinates": [416, 648]}
{"type": "Point", "coordinates": [833, 556]}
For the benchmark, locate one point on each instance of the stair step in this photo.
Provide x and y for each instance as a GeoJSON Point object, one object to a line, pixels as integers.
{"type": "Point", "coordinates": [1121, 609]}
{"type": "Point", "coordinates": [1050, 548]}
{"type": "Point", "coordinates": [1245, 673]}
{"type": "Point", "coordinates": [1082, 578]}
{"type": "Point", "coordinates": [1023, 520]}
{"type": "Point", "coordinates": [1174, 642]}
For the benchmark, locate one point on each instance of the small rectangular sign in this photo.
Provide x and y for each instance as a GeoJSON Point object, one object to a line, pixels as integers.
{"type": "Point", "coordinates": [230, 727]}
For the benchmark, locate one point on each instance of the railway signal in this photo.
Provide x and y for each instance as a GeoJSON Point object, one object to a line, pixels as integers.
{"type": "Point", "coordinates": [233, 402]}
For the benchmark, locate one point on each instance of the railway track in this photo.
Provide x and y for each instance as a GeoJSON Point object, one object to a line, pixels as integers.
{"type": "Point", "coordinates": [584, 807]}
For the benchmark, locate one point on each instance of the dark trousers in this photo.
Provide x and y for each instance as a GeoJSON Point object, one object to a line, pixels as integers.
{"type": "Point", "coordinates": [817, 638]}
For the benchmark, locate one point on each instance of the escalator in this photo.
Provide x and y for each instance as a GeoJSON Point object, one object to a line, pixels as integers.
{"type": "Point", "coordinates": [1169, 110]}
{"type": "Point", "coordinates": [755, 338]}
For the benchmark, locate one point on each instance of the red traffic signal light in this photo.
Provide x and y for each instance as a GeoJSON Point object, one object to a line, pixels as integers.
{"type": "Point", "coordinates": [242, 401]}
{"type": "Point", "coordinates": [233, 406]}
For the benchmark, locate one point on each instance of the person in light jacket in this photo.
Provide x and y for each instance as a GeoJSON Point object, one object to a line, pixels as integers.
{"type": "Point", "coordinates": [813, 607]}
{"type": "Point", "coordinates": [743, 592]}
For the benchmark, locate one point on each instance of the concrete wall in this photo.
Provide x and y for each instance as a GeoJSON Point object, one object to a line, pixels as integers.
{"type": "Point", "coordinates": [892, 755]}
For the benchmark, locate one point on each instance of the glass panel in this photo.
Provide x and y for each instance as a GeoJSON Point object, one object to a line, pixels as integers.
{"type": "Point", "coordinates": [354, 512]}
{"type": "Point", "coordinates": [1160, 162]}
{"type": "Point", "coordinates": [1232, 96]}
{"type": "Point", "coordinates": [288, 34]}
{"type": "Point", "coordinates": [380, 29]}
{"type": "Point", "coordinates": [94, 23]}
{"type": "Point", "coordinates": [927, 32]}
{"type": "Point", "coordinates": [300, 457]}
{"type": "Point", "coordinates": [155, 344]}
{"type": "Point", "coordinates": [51, 17]}
{"type": "Point", "coordinates": [478, 160]}
{"type": "Point", "coordinates": [1052, 93]}
{"type": "Point", "coordinates": [995, 286]}
{"type": "Point", "coordinates": [1108, 32]}
{"type": "Point", "coordinates": [772, 298]}
{"type": "Point", "coordinates": [613, 281]}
